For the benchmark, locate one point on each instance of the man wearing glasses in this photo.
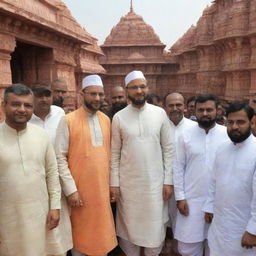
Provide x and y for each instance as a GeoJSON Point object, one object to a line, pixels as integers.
{"type": "Point", "coordinates": [141, 175]}
{"type": "Point", "coordinates": [83, 149]}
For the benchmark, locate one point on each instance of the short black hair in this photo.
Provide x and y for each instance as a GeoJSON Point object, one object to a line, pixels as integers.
{"type": "Point", "coordinates": [240, 105]}
{"type": "Point", "coordinates": [190, 99]}
{"type": "Point", "coordinates": [206, 97]}
{"type": "Point", "coordinates": [17, 89]}
{"type": "Point", "coordinates": [153, 96]}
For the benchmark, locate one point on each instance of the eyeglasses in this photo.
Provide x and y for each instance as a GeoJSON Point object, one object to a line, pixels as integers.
{"type": "Point", "coordinates": [136, 87]}
{"type": "Point", "coordinates": [237, 122]}
{"type": "Point", "coordinates": [95, 94]}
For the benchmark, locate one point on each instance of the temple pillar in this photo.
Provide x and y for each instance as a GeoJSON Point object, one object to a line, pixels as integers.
{"type": "Point", "coordinates": [252, 89]}
{"type": "Point", "coordinates": [7, 46]}
{"type": "Point", "coordinates": [64, 67]}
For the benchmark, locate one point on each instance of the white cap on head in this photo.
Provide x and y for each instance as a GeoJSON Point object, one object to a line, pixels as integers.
{"type": "Point", "coordinates": [92, 80]}
{"type": "Point", "coordinates": [136, 74]}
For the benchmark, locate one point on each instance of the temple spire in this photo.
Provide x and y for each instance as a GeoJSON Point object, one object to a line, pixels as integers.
{"type": "Point", "coordinates": [131, 7]}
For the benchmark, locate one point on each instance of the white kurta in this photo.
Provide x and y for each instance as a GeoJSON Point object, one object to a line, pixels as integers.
{"type": "Point", "coordinates": [232, 198]}
{"type": "Point", "coordinates": [62, 234]}
{"type": "Point", "coordinates": [51, 121]}
{"type": "Point", "coordinates": [142, 153]}
{"type": "Point", "coordinates": [195, 154]}
{"type": "Point", "coordinates": [29, 187]}
{"type": "Point", "coordinates": [185, 123]}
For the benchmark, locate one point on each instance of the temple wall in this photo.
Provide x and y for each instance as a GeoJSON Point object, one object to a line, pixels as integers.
{"type": "Point", "coordinates": [219, 53]}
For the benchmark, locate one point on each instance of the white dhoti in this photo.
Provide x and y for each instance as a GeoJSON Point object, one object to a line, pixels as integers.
{"type": "Point", "coordinates": [131, 249]}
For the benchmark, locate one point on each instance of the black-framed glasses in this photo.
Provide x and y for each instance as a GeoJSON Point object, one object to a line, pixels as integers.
{"type": "Point", "coordinates": [136, 87]}
{"type": "Point", "coordinates": [95, 94]}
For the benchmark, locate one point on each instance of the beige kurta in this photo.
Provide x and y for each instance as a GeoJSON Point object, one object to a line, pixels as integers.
{"type": "Point", "coordinates": [142, 154]}
{"type": "Point", "coordinates": [29, 187]}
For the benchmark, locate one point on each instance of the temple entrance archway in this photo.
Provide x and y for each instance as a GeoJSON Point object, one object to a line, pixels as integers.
{"type": "Point", "coordinates": [31, 64]}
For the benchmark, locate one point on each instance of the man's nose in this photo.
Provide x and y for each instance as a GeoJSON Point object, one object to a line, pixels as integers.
{"type": "Point", "coordinates": [22, 108]}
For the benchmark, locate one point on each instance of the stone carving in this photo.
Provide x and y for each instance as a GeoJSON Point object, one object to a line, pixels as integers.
{"type": "Point", "coordinates": [41, 41]}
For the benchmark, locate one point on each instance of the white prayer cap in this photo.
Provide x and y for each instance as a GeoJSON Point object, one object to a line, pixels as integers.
{"type": "Point", "coordinates": [92, 80]}
{"type": "Point", "coordinates": [136, 74]}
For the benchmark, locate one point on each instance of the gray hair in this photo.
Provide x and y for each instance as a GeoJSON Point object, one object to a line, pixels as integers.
{"type": "Point", "coordinates": [17, 89]}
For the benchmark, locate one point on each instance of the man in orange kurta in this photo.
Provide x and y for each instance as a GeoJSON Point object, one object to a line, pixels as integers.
{"type": "Point", "coordinates": [83, 146]}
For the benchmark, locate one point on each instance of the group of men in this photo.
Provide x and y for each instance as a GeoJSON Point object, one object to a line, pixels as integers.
{"type": "Point", "coordinates": [57, 180]}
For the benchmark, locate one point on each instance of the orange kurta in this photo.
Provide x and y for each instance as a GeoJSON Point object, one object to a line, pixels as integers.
{"type": "Point", "coordinates": [92, 225]}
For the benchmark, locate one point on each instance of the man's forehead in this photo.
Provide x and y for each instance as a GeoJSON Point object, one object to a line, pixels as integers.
{"type": "Point", "coordinates": [172, 98]}
{"type": "Point", "coordinates": [94, 88]}
{"type": "Point", "coordinates": [241, 114]}
{"type": "Point", "coordinates": [206, 103]}
{"type": "Point", "coordinates": [116, 93]}
{"type": "Point", "coordinates": [137, 82]}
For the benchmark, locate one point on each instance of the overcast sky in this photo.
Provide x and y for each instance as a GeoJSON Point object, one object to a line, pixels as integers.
{"type": "Point", "coordinates": [169, 18]}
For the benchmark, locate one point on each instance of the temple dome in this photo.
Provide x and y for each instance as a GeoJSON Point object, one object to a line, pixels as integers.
{"type": "Point", "coordinates": [132, 30]}
{"type": "Point", "coordinates": [187, 41]}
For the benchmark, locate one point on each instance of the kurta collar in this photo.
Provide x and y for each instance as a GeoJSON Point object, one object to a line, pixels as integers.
{"type": "Point", "coordinates": [34, 116]}
{"type": "Point", "coordinates": [13, 131]}
{"type": "Point", "coordinates": [243, 143]}
{"type": "Point", "coordinates": [212, 130]}
{"type": "Point", "coordinates": [179, 124]}
{"type": "Point", "coordinates": [139, 109]}
{"type": "Point", "coordinates": [89, 114]}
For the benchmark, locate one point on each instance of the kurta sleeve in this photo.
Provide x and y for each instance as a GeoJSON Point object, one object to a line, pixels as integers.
{"type": "Point", "coordinates": [209, 203]}
{"type": "Point", "coordinates": [61, 147]}
{"type": "Point", "coordinates": [116, 145]}
{"type": "Point", "coordinates": [179, 169]}
{"type": "Point", "coordinates": [251, 226]}
{"type": "Point", "coordinates": [168, 150]}
{"type": "Point", "coordinates": [52, 177]}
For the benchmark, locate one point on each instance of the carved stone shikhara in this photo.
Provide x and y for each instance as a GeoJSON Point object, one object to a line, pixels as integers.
{"type": "Point", "coordinates": [217, 56]}
{"type": "Point", "coordinates": [41, 41]}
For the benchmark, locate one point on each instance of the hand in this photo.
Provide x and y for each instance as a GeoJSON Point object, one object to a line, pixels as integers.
{"type": "Point", "coordinates": [114, 194]}
{"type": "Point", "coordinates": [208, 217]}
{"type": "Point", "coordinates": [167, 192]}
{"type": "Point", "coordinates": [248, 240]}
{"type": "Point", "coordinates": [53, 219]}
{"type": "Point", "coordinates": [182, 206]}
{"type": "Point", "coordinates": [74, 200]}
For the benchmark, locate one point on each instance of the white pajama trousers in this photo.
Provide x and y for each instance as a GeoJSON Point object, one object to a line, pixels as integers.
{"type": "Point", "coordinates": [131, 249]}
{"type": "Point", "coordinates": [193, 249]}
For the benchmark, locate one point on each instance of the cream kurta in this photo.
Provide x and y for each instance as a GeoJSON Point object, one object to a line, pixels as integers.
{"type": "Point", "coordinates": [232, 198]}
{"type": "Point", "coordinates": [195, 155]}
{"type": "Point", "coordinates": [142, 153]}
{"type": "Point", "coordinates": [60, 240]}
{"type": "Point", "coordinates": [29, 186]}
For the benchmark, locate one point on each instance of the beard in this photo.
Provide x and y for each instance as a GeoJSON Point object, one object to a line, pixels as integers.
{"type": "Point", "coordinates": [237, 137]}
{"type": "Point", "coordinates": [118, 106]}
{"type": "Point", "coordinates": [206, 123]}
{"type": "Point", "coordinates": [91, 107]}
{"type": "Point", "coordinates": [58, 102]}
{"type": "Point", "coordinates": [176, 116]}
{"type": "Point", "coordinates": [137, 102]}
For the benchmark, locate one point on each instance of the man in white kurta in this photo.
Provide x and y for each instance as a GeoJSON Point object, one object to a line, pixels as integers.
{"type": "Point", "coordinates": [195, 154]}
{"type": "Point", "coordinates": [29, 181]}
{"type": "Point", "coordinates": [142, 153]}
{"type": "Point", "coordinates": [174, 104]}
{"type": "Point", "coordinates": [232, 192]}
{"type": "Point", "coordinates": [48, 116]}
